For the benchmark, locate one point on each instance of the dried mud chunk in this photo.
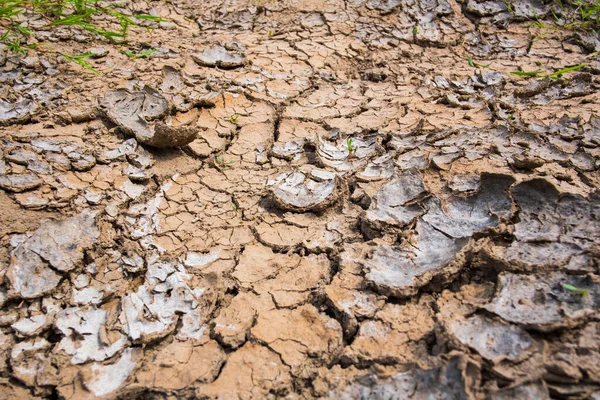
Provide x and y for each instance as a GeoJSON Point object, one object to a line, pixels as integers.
{"type": "Point", "coordinates": [394, 335]}
{"type": "Point", "coordinates": [140, 114]}
{"type": "Point", "coordinates": [62, 243]}
{"type": "Point", "coordinates": [394, 205]}
{"type": "Point", "coordinates": [102, 380]}
{"type": "Point", "coordinates": [153, 310]}
{"type": "Point", "coordinates": [349, 304]}
{"type": "Point", "coordinates": [378, 169]}
{"type": "Point", "coordinates": [384, 6]}
{"type": "Point", "coordinates": [10, 391]}
{"type": "Point", "coordinates": [534, 87]}
{"type": "Point", "coordinates": [232, 326]}
{"type": "Point", "coordinates": [546, 216]}
{"type": "Point", "coordinates": [461, 217]}
{"type": "Point", "coordinates": [287, 278]}
{"type": "Point", "coordinates": [495, 341]}
{"type": "Point", "coordinates": [18, 112]}
{"type": "Point", "coordinates": [29, 275]}
{"type": "Point", "coordinates": [541, 302]}
{"type": "Point", "coordinates": [253, 371]}
{"type": "Point", "coordinates": [348, 155]}
{"type": "Point", "coordinates": [228, 56]}
{"type": "Point", "coordinates": [486, 7]}
{"type": "Point", "coordinates": [537, 391]}
{"type": "Point", "coordinates": [401, 271]}
{"type": "Point", "coordinates": [31, 363]}
{"type": "Point", "coordinates": [295, 191]}
{"type": "Point", "coordinates": [59, 243]}
{"type": "Point", "coordinates": [530, 257]}
{"type": "Point", "coordinates": [19, 183]}
{"type": "Point", "coordinates": [180, 364]}
{"type": "Point", "coordinates": [7, 342]}
{"type": "Point", "coordinates": [31, 326]}
{"type": "Point", "coordinates": [85, 336]}
{"type": "Point", "coordinates": [450, 381]}
{"type": "Point", "coordinates": [303, 337]}
{"type": "Point", "coordinates": [464, 184]}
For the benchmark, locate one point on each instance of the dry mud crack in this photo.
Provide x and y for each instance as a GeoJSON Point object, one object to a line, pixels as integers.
{"type": "Point", "coordinates": [304, 199]}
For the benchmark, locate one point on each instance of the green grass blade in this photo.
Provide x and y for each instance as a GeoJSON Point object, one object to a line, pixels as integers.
{"type": "Point", "coordinates": [527, 73]}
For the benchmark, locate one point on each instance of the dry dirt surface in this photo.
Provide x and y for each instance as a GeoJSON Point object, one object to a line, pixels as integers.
{"type": "Point", "coordinates": [303, 199]}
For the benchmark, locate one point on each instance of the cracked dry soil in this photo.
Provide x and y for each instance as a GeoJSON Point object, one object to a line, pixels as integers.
{"type": "Point", "coordinates": [304, 199]}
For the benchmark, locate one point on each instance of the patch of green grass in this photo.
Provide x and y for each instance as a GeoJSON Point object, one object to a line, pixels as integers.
{"type": "Point", "coordinates": [80, 14]}
{"type": "Point", "coordinates": [571, 288]}
{"type": "Point", "coordinates": [576, 15]}
{"type": "Point", "coordinates": [552, 75]}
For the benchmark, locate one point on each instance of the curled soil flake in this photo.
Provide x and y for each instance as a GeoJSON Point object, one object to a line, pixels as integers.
{"type": "Point", "coordinates": [395, 204]}
{"type": "Point", "coordinates": [102, 380]}
{"type": "Point", "coordinates": [541, 302]}
{"type": "Point", "coordinates": [401, 271]}
{"type": "Point", "coordinates": [229, 56]}
{"type": "Point", "coordinates": [143, 114]}
{"type": "Point", "coordinates": [495, 341]}
{"type": "Point", "coordinates": [84, 333]}
{"type": "Point", "coordinates": [296, 191]}
{"type": "Point", "coordinates": [450, 381]}
{"type": "Point", "coordinates": [19, 183]}
{"type": "Point", "coordinates": [18, 112]}
{"type": "Point", "coordinates": [56, 244]}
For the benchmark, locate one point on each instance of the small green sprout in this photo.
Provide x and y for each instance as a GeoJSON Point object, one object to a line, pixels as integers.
{"type": "Point", "coordinates": [349, 145]}
{"type": "Point", "coordinates": [557, 74]}
{"type": "Point", "coordinates": [554, 75]}
{"type": "Point", "coordinates": [415, 30]}
{"type": "Point", "coordinates": [270, 33]}
{"type": "Point", "coordinates": [143, 54]}
{"type": "Point", "coordinates": [220, 161]}
{"type": "Point", "coordinates": [234, 118]}
{"type": "Point", "coordinates": [475, 65]}
{"type": "Point", "coordinates": [527, 73]}
{"type": "Point", "coordinates": [581, 292]}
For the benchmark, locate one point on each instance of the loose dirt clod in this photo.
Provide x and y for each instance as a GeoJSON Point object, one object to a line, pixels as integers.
{"type": "Point", "coordinates": [144, 114]}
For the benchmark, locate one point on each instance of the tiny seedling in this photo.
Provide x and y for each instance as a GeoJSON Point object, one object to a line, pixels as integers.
{"type": "Point", "coordinates": [571, 288]}
{"type": "Point", "coordinates": [415, 30]}
{"type": "Point", "coordinates": [475, 65]}
{"type": "Point", "coordinates": [234, 118]}
{"type": "Point", "coordinates": [220, 161]}
{"type": "Point", "coordinates": [349, 145]}
{"type": "Point", "coordinates": [143, 54]}
{"type": "Point", "coordinates": [270, 33]}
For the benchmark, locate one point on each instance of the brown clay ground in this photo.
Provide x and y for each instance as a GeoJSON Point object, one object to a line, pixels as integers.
{"type": "Point", "coordinates": [266, 260]}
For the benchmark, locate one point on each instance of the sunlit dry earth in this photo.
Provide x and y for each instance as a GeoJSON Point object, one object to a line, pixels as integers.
{"type": "Point", "coordinates": [304, 199]}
